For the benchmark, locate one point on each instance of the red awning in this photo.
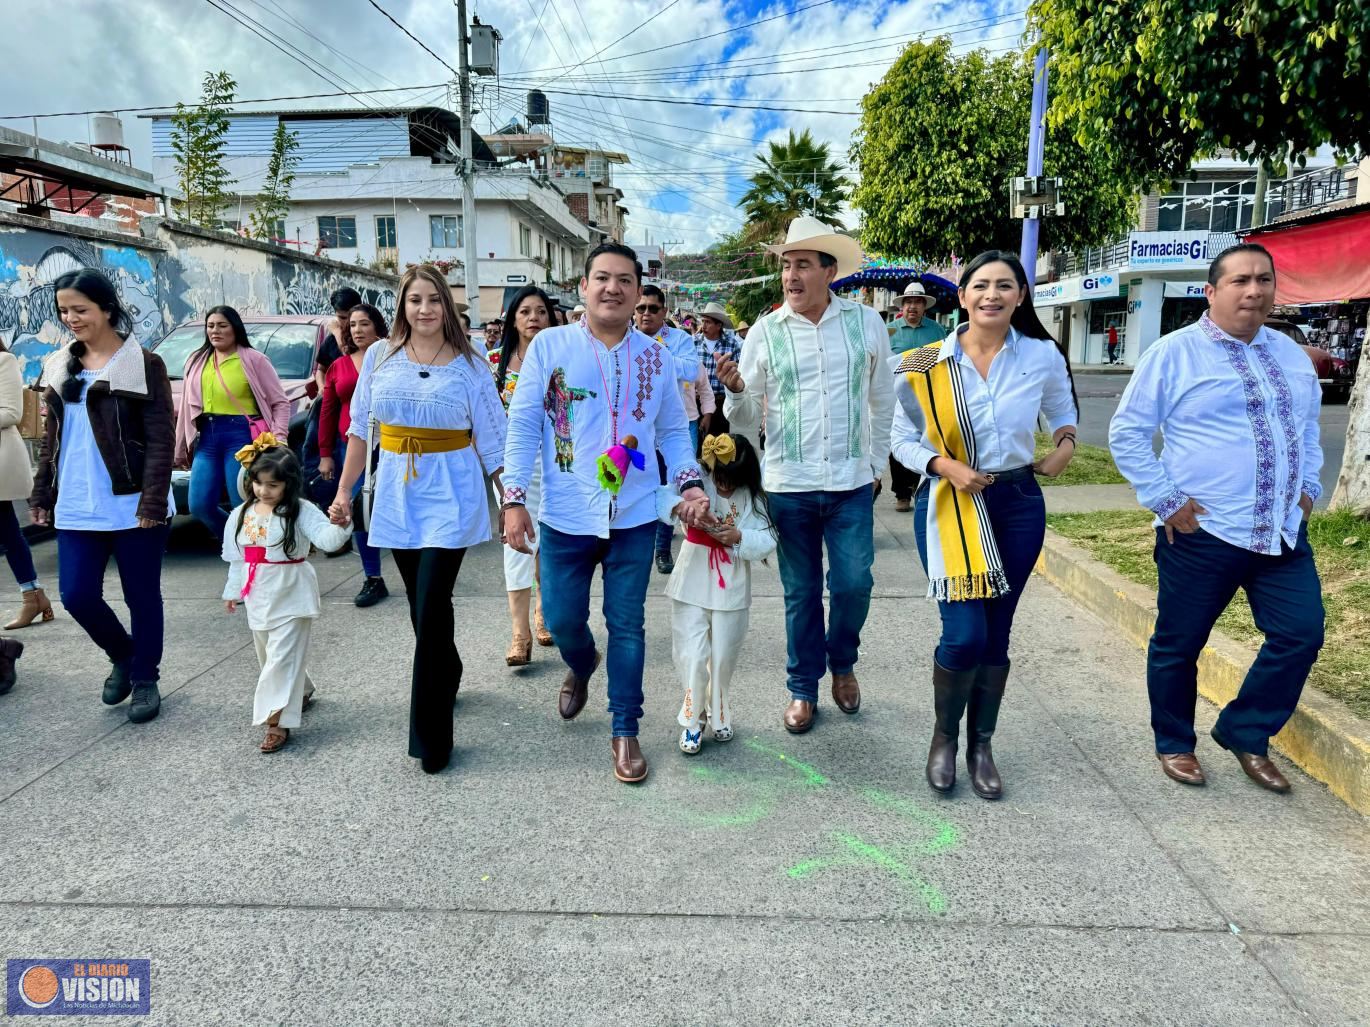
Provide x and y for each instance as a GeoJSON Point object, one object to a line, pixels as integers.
{"type": "Point", "coordinates": [1324, 261]}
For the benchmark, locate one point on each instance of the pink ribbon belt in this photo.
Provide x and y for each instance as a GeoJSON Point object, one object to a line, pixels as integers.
{"type": "Point", "coordinates": [254, 557]}
{"type": "Point", "coordinates": [718, 552]}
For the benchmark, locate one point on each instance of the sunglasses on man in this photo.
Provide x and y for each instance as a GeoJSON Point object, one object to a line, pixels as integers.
{"type": "Point", "coordinates": [648, 308]}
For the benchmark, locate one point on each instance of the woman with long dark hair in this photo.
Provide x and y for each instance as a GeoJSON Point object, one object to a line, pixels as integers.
{"type": "Point", "coordinates": [530, 311]}
{"type": "Point", "coordinates": [104, 481]}
{"type": "Point", "coordinates": [966, 417]}
{"type": "Point", "coordinates": [441, 429]}
{"type": "Point", "coordinates": [360, 327]}
{"type": "Point", "coordinates": [16, 483]}
{"type": "Point", "coordinates": [230, 395]}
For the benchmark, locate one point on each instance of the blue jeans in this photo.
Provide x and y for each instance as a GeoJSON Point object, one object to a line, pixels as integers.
{"type": "Point", "coordinates": [805, 522]}
{"type": "Point", "coordinates": [370, 555]}
{"type": "Point", "coordinates": [976, 631]}
{"type": "Point", "coordinates": [1198, 576]}
{"type": "Point", "coordinates": [82, 557]}
{"type": "Point", "coordinates": [567, 565]}
{"type": "Point", "coordinates": [16, 546]}
{"type": "Point", "coordinates": [214, 469]}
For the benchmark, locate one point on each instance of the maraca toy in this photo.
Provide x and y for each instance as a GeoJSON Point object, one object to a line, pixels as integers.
{"type": "Point", "coordinates": [614, 463]}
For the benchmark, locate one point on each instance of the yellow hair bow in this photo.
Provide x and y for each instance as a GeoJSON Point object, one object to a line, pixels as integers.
{"type": "Point", "coordinates": [259, 445]}
{"type": "Point", "coordinates": [717, 449]}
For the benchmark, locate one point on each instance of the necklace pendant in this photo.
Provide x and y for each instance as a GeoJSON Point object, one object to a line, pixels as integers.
{"type": "Point", "coordinates": [423, 374]}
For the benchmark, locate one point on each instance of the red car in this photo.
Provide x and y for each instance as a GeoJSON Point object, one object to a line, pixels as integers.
{"type": "Point", "coordinates": [291, 342]}
{"type": "Point", "coordinates": [1334, 374]}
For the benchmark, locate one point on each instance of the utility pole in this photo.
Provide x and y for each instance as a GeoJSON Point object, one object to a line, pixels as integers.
{"type": "Point", "coordinates": [468, 174]}
{"type": "Point", "coordinates": [1036, 132]}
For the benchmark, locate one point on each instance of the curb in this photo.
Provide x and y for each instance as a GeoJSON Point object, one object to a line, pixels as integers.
{"type": "Point", "coordinates": [1323, 737]}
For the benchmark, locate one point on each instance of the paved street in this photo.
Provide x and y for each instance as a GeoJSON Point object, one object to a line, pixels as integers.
{"type": "Point", "coordinates": [1099, 394]}
{"type": "Point", "coordinates": [776, 879]}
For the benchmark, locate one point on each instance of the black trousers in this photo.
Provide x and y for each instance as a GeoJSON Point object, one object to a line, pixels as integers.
{"type": "Point", "coordinates": [903, 482]}
{"type": "Point", "coordinates": [718, 423]}
{"type": "Point", "coordinates": [429, 576]}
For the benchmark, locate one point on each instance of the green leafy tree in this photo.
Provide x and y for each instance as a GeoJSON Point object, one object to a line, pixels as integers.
{"type": "Point", "coordinates": [797, 177]}
{"type": "Point", "coordinates": [274, 202]}
{"type": "Point", "coordinates": [940, 138]}
{"type": "Point", "coordinates": [1151, 85]}
{"type": "Point", "coordinates": [198, 140]}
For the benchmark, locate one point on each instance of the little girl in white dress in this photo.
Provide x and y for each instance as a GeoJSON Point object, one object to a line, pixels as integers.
{"type": "Point", "coordinates": [266, 541]}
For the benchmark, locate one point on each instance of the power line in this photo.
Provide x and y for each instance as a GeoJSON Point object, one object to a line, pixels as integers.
{"type": "Point", "coordinates": [700, 102]}
{"type": "Point", "coordinates": [417, 39]}
{"type": "Point", "coordinates": [264, 99]}
{"type": "Point", "coordinates": [615, 43]}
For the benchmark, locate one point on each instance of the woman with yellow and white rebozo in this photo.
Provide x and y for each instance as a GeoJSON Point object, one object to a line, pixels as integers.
{"type": "Point", "coordinates": [967, 412]}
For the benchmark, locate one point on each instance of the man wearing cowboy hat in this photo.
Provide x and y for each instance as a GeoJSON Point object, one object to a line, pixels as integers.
{"type": "Point", "coordinates": [817, 366]}
{"type": "Point", "coordinates": [913, 328]}
{"type": "Point", "coordinates": [717, 338]}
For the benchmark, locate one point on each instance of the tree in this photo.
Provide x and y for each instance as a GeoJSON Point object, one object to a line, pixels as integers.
{"type": "Point", "coordinates": [940, 138]}
{"type": "Point", "coordinates": [274, 202]}
{"type": "Point", "coordinates": [1151, 85]}
{"type": "Point", "coordinates": [198, 139]}
{"type": "Point", "coordinates": [797, 177]}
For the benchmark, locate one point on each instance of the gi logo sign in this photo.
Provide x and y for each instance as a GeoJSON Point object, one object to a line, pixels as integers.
{"type": "Point", "coordinates": [1099, 286]}
{"type": "Point", "coordinates": [78, 987]}
{"type": "Point", "coordinates": [1168, 249]}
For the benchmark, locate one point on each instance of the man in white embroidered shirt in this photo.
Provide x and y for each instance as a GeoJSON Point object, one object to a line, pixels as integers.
{"type": "Point", "coordinates": [596, 400]}
{"type": "Point", "coordinates": [1237, 404]}
{"type": "Point", "coordinates": [818, 364]}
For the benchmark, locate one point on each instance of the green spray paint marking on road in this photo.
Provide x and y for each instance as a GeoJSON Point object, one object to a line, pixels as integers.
{"type": "Point", "coordinates": [811, 776]}
{"type": "Point", "coordinates": [946, 836]}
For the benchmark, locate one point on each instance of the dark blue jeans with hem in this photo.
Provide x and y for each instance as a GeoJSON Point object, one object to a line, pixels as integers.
{"type": "Point", "coordinates": [215, 468]}
{"type": "Point", "coordinates": [567, 565]}
{"type": "Point", "coordinates": [805, 522]}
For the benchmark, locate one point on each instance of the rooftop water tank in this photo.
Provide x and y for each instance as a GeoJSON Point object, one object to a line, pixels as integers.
{"type": "Point", "coordinates": [539, 111]}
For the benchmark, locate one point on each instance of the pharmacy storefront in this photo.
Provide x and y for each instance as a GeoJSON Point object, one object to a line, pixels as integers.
{"type": "Point", "coordinates": [1159, 289]}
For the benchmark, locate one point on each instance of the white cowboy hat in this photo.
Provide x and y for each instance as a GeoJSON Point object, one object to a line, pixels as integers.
{"type": "Point", "coordinates": [915, 290]}
{"type": "Point", "coordinates": [716, 311]}
{"type": "Point", "coordinates": [806, 233]}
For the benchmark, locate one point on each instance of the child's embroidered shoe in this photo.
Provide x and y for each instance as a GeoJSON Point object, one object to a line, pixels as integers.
{"type": "Point", "coordinates": [690, 741]}
{"type": "Point", "coordinates": [723, 733]}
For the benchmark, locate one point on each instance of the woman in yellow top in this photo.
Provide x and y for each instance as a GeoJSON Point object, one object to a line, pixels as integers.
{"type": "Point", "coordinates": [230, 395]}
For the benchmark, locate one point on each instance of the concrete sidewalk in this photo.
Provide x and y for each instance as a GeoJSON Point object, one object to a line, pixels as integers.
{"type": "Point", "coordinates": [777, 879]}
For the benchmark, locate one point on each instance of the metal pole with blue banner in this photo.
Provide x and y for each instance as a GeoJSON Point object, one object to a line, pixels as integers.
{"type": "Point", "coordinates": [1036, 133]}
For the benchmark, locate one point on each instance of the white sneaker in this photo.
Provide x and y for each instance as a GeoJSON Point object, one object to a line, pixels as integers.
{"type": "Point", "coordinates": [723, 733]}
{"type": "Point", "coordinates": [690, 742]}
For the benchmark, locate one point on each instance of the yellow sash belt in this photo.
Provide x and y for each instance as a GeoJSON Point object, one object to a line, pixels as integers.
{"type": "Point", "coordinates": [415, 442]}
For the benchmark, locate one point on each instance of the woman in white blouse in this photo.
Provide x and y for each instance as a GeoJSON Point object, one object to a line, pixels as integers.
{"type": "Point", "coordinates": [441, 428]}
{"type": "Point", "coordinates": [966, 413]}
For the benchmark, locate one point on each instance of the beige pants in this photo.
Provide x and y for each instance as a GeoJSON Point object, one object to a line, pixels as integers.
{"type": "Point", "coordinates": [705, 645]}
{"type": "Point", "coordinates": [284, 679]}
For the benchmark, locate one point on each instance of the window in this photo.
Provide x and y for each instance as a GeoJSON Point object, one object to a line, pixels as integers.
{"type": "Point", "coordinates": [444, 230]}
{"type": "Point", "coordinates": [1206, 207]}
{"type": "Point", "coordinates": [525, 241]}
{"type": "Point", "coordinates": [387, 238]}
{"type": "Point", "coordinates": [338, 233]}
{"type": "Point", "coordinates": [565, 263]}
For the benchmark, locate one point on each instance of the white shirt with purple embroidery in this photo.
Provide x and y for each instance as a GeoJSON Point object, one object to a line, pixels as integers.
{"type": "Point", "coordinates": [1240, 428]}
{"type": "Point", "coordinates": [560, 413]}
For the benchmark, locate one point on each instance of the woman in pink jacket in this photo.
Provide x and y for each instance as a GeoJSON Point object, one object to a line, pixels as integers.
{"type": "Point", "coordinates": [231, 394]}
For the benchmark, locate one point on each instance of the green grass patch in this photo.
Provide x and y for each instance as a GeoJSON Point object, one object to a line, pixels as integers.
{"type": "Point", "coordinates": [1124, 540]}
{"type": "Point", "coordinates": [1091, 465]}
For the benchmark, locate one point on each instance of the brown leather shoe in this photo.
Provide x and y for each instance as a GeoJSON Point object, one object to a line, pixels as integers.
{"type": "Point", "coordinates": [799, 716]}
{"type": "Point", "coordinates": [630, 766]}
{"type": "Point", "coordinates": [1258, 768]}
{"type": "Point", "coordinates": [1182, 767]}
{"type": "Point", "coordinates": [574, 692]}
{"type": "Point", "coordinates": [846, 693]}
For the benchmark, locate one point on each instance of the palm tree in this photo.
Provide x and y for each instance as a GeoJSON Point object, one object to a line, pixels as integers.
{"type": "Point", "coordinates": [796, 177]}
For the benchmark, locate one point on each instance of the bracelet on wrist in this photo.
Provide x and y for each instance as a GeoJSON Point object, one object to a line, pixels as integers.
{"type": "Point", "coordinates": [1066, 438]}
{"type": "Point", "coordinates": [510, 505]}
{"type": "Point", "coordinates": [693, 483]}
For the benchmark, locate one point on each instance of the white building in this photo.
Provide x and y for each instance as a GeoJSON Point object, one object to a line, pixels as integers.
{"type": "Point", "coordinates": [381, 188]}
{"type": "Point", "coordinates": [1151, 282]}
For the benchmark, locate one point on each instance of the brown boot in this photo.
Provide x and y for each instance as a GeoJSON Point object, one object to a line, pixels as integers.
{"type": "Point", "coordinates": [36, 604]}
{"type": "Point", "coordinates": [574, 691]}
{"type": "Point", "coordinates": [951, 692]}
{"type": "Point", "coordinates": [982, 715]}
{"type": "Point", "coordinates": [10, 650]}
{"type": "Point", "coordinates": [846, 693]}
{"type": "Point", "coordinates": [520, 652]}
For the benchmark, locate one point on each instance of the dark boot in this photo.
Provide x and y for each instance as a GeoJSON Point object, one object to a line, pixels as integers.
{"type": "Point", "coordinates": [10, 650]}
{"type": "Point", "coordinates": [951, 691]}
{"type": "Point", "coordinates": [981, 718]}
{"type": "Point", "coordinates": [117, 685]}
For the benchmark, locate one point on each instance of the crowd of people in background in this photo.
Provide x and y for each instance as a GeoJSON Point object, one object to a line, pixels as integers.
{"type": "Point", "coordinates": [600, 430]}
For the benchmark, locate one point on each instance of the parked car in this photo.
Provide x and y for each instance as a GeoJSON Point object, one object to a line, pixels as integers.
{"type": "Point", "coordinates": [290, 342]}
{"type": "Point", "coordinates": [1334, 374]}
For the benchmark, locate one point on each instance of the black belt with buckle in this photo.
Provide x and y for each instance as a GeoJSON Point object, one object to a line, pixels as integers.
{"type": "Point", "coordinates": [1011, 475]}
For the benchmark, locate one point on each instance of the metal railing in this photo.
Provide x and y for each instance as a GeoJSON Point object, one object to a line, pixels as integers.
{"type": "Point", "coordinates": [1311, 192]}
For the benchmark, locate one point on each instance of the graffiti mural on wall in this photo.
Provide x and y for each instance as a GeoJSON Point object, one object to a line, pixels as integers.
{"type": "Point", "coordinates": [30, 262]}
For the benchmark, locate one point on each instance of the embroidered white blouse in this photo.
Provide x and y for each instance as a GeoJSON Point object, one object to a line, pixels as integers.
{"type": "Point", "coordinates": [572, 392]}
{"type": "Point", "coordinates": [695, 580]}
{"type": "Point", "coordinates": [281, 591]}
{"type": "Point", "coordinates": [1240, 429]}
{"type": "Point", "coordinates": [824, 391]}
{"type": "Point", "coordinates": [1026, 377]}
{"type": "Point", "coordinates": [446, 506]}
{"type": "Point", "coordinates": [683, 350]}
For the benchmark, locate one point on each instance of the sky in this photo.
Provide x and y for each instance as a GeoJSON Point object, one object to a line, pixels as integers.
{"type": "Point", "coordinates": [605, 65]}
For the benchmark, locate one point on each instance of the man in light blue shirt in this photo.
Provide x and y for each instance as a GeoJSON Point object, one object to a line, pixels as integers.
{"type": "Point", "coordinates": [1237, 405]}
